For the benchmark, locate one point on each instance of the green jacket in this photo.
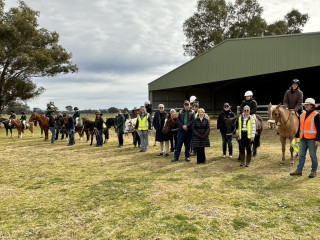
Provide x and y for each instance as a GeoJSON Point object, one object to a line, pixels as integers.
{"type": "Point", "coordinates": [12, 116]}
{"type": "Point", "coordinates": [23, 118]}
{"type": "Point", "coordinates": [48, 113]}
{"type": "Point", "coordinates": [119, 122]}
{"type": "Point", "coordinates": [126, 116]}
{"type": "Point", "coordinates": [76, 114]}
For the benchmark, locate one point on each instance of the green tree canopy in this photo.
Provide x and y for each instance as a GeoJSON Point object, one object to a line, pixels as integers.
{"type": "Point", "coordinates": [215, 21]}
{"type": "Point", "coordinates": [26, 52]}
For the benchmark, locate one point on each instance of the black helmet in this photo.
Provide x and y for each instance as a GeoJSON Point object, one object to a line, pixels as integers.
{"type": "Point", "coordinates": [12, 111]}
{"type": "Point", "coordinates": [23, 113]}
{"type": "Point", "coordinates": [296, 81]}
{"type": "Point", "coordinates": [75, 108]}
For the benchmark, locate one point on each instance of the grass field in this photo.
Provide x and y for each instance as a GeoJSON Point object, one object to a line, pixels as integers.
{"type": "Point", "coordinates": [83, 192]}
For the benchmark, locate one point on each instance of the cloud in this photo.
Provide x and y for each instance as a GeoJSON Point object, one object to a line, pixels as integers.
{"type": "Point", "coordinates": [120, 46]}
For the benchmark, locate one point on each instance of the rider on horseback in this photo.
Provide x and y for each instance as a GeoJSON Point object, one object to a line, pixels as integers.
{"type": "Point", "coordinates": [76, 117]}
{"type": "Point", "coordinates": [12, 115]}
{"type": "Point", "coordinates": [23, 120]}
{"type": "Point", "coordinates": [249, 101]}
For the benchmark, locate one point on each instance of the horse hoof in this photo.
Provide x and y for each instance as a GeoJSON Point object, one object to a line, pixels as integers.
{"type": "Point", "coordinates": [282, 163]}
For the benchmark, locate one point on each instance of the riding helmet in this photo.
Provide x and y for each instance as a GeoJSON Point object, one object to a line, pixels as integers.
{"type": "Point", "coordinates": [296, 81]}
{"type": "Point", "coordinates": [248, 93]}
{"type": "Point", "coordinates": [23, 113]}
{"type": "Point", "coordinates": [76, 109]}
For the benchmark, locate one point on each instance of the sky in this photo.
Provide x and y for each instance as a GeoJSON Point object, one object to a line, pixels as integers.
{"type": "Point", "coordinates": [122, 45]}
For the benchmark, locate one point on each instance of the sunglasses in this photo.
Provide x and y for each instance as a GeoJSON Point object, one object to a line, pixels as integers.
{"type": "Point", "coordinates": [186, 104]}
{"type": "Point", "coordinates": [226, 106]}
{"type": "Point", "coordinates": [160, 107]}
{"type": "Point", "coordinates": [246, 110]}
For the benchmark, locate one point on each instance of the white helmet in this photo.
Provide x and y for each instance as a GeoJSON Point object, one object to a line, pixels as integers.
{"type": "Point", "coordinates": [192, 98]}
{"type": "Point", "coordinates": [147, 102]}
{"type": "Point", "coordinates": [248, 93]}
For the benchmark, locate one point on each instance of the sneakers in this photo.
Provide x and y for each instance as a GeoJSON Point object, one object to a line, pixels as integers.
{"type": "Point", "coordinates": [296, 173]}
{"type": "Point", "coordinates": [166, 155]}
{"type": "Point", "coordinates": [160, 154]}
{"type": "Point", "coordinates": [230, 156]}
{"type": "Point", "coordinates": [187, 159]}
{"type": "Point", "coordinates": [174, 160]}
{"type": "Point", "coordinates": [312, 175]}
{"type": "Point", "coordinates": [224, 156]}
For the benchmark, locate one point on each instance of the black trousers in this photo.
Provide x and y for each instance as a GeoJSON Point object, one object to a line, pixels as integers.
{"type": "Point", "coordinates": [245, 143]}
{"type": "Point", "coordinates": [173, 140]}
{"type": "Point", "coordinates": [120, 138]}
{"type": "Point", "coordinates": [201, 155]}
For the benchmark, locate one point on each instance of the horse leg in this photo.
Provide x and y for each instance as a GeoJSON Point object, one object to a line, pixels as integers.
{"type": "Point", "coordinates": [283, 141]}
{"type": "Point", "coordinates": [41, 132]}
{"type": "Point", "coordinates": [46, 134]}
{"type": "Point", "coordinates": [91, 139]}
{"type": "Point", "coordinates": [7, 132]}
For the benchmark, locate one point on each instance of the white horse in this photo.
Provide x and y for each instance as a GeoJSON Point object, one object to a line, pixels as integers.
{"type": "Point", "coordinates": [130, 125]}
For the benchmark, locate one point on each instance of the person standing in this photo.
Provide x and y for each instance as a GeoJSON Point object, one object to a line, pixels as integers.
{"type": "Point", "coordinates": [293, 99]}
{"type": "Point", "coordinates": [158, 123]}
{"type": "Point", "coordinates": [221, 126]}
{"type": "Point", "coordinates": [135, 135]}
{"type": "Point", "coordinates": [246, 131]}
{"type": "Point", "coordinates": [144, 127]}
{"type": "Point", "coordinates": [119, 125]}
{"type": "Point", "coordinates": [71, 130]}
{"type": "Point", "coordinates": [174, 130]}
{"type": "Point", "coordinates": [98, 125]}
{"type": "Point", "coordinates": [309, 138]}
{"type": "Point", "coordinates": [184, 121]}
{"type": "Point", "coordinates": [126, 114]}
{"type": "Point", "coordinates": [52, 127]}
{"type": "Point", "coordinates": [200, 135]}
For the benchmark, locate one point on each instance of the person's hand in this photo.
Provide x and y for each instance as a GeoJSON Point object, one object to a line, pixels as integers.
{"type": "Point", "coordinates": [218, 131]}
{"type": "Point", "coordinates": [94, 128]}
{"type": "Point", "coordinates": [293, 112]}
{"type": "Point", "coordinates": [185, 127]}
{"type": "Point", "coordinates": [317, 143]}
{"type": "Point", "coordinates": [252, 139]}
{"type": "Point", "coordinates": [237, 134]}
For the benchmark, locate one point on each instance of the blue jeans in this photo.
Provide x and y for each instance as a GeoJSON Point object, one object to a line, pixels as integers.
{"type": "Point", "coordinates": [304, 145]}
{"type": "Point", "coordinates": [144, 136]}
{"type": "Point", "coordinates": [226, 141]}
{"type": "Point", "coordinates": [53, 131]}
{"type": "Point", "coordinates": [100, 137]}
{"type": "Point", "coordinates": [183, 138]}
{"type": "Point", "coordinates": [71, 136]}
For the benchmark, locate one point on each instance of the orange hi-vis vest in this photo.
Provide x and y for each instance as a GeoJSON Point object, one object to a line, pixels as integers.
{"type": "Point", "coordinates": [308, 129]}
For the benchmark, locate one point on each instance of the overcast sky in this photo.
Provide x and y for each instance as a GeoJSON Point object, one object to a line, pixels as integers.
{"type": "Point", "coordinates": [122, 45]}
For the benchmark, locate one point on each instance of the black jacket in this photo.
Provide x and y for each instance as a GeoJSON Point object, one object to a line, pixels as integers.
{"type": "Point", "coordinates": [221, 123]}
{"type": "Point", "coordinates": [251, 103]}
{"type": "Point", "coordinates": [199, 129]}
{"type": "Point", "coordinates": [51, 122]}
{"type": "Point", "coordinates": [149, 109]}
{"type": "Point", "coordinates": [98, 123]}
{"type": "Point", "coordinates": [180, 120]}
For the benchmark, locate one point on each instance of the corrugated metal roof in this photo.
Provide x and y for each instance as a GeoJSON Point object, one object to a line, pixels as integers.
{"type": "Point", "coordinates": [245, 57]}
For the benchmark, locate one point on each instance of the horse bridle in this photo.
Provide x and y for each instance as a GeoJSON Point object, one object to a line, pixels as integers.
{"type": "Point", "coordinates": [279, 117]}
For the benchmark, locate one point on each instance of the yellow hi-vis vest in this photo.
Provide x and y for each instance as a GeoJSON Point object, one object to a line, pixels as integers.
{"type": "Point", "coordinates": [197, 114]}
{"type": "Point", "coordinates": [248, 128]}
{"type": "Point", "coordinates": [143, 123]}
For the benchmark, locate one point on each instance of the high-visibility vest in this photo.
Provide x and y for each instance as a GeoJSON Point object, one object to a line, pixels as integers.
{"type": "Point", "coordinates": [248, 127]}
{"type": "Point", "coordinates": [143, 122]}
{"type": "Point", "coordinates": [197, 114]}
{"type": "Point", "coordinates": [308, 128]}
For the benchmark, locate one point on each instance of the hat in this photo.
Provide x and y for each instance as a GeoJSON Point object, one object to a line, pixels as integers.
{"type": "Point", "coordinates": [135, 109]}
{"type": "Point", "coordinates": [310, 101]}
{"type": "Point", "coordinates": [248, 93]}
{"type": "Point", "coordinates": [98, 113]}
{"type": "Point", "coordinates": [195, 104]}
{"type": "Point", "coordinates": [125, 109]}
{"type": "Point", "coordinates": [147, 102]}
{"type": "Point", "coordinates": [186, 101]}
{"type": "Point", "coordinates": [295, 81]}
{"type": "Point", "coordinates": [173, 111]}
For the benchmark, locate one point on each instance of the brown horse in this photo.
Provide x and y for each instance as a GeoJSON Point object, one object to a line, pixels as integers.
{"type": "Point", "coordinates": [43, 122]}
{"type": "Point", "coordinates": [288, 125]}
{"type": "Point", "coordinates": [18, 126]}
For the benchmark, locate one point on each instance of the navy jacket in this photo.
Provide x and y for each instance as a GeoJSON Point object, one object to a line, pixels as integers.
{"type": "Point", "coordinates": [70, 125]}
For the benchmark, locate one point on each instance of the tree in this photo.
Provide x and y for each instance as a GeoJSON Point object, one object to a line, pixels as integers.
{"type": "Point", "coordinates": [26, 52]}
{"type": "Point", "coordinates": [37, 110]}
{"type": "Point", "coordinates": [17, 107]}
{"type": "Point", "coordinates": [69, 109]}
{"type": "Point", "coordinates": [216, 21]}
{"type": "Point", "coordinates": [112, 110]}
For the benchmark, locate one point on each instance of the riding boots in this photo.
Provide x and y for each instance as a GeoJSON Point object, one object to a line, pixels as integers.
{"type": "Point", "coordinates": [248, 160]}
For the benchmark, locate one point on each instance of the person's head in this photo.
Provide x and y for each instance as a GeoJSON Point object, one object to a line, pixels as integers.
{"type": "Point", "coordinates": [12, 112]}
{"type": "Point", "coordinates": [246, 110]}
{"type": "Point", "coordinates": [195, 107]}
{"type": "Point", "coordinates": [201, 112]}
{"type": "Point", "coordinates": [135, 111]}
{"type": "Point", "coordinates": [186, 105]}
{"type": "Point", "coordinates": [76, 109]}
{"type": "Point", "coordinates": [295, 84]}
{"type": "Point", "coordinates": [248, 95]}
{"type": "Point", "coordinates": [161, 108]}
{"type": "Point", "coordinates": [53, 114]}
{"type": "Point", "coordinates": [98, 114]}
{"type": "Point", "coordinates": [143, 109]}
{"type": "Point", "coordinates": [64, 115]}
{"type": "Point", "coordinates": [59, 114]}
{"type": "Point", "coordinates": [147, 102]}
{"type": "Point", "coordinates": [226, 107]}
{"type": "Point", "coordinates": [125, 110]}
{"type": "Point", "coordinates": [119, 111]}
{"type": "Point", "coordinates": [23, 113]}
{"type": "Point", "coordinates": [310, 104]}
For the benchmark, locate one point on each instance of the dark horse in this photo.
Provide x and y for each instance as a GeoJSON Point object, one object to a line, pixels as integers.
{"type": "Point", "coordinates": [171, 127]}
{"type": "Point", "coordinates": [89, 130]}
{"type": "Point", "coordinates": [60, 128]}
{"type": "Point", "coordinates": [231, 124]}
{"type": "Point", "coordinates": [7, 126]}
